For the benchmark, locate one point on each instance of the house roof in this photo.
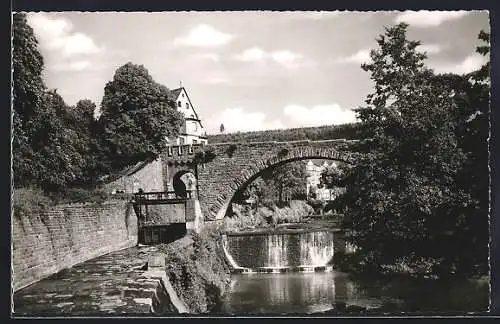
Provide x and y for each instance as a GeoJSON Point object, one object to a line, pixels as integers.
{"type": "Point", "coordinates": [125, 172]}
{"type": "Point", "coordinates": [175, 94]}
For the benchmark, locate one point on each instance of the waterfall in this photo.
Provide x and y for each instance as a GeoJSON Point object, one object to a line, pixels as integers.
{"type": "Point", "coordinates": [316, 249]}
{"type": "Point", "coordinates": [273, 252]}
{"type": "Point", "coordinates": [277, 248]}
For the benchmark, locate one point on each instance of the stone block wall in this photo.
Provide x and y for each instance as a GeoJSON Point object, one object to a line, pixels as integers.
{"type": "Point", "coordinates": [163, 214]}
{"type": "Point", "coordinates": [237, 164]}
{"type": "Point", "coordinates": [64, 235]}
{"type": "Point", "coordinates": [148, 176]}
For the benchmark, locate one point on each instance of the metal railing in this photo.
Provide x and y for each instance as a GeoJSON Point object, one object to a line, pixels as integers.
{"type": "Point", "coordinates": [162, 196]}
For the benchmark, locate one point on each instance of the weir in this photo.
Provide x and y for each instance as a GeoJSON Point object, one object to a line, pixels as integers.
{"type": "Point", "coordinates": [283, 252]}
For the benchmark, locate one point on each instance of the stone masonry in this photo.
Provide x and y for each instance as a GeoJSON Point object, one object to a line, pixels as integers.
{"type": "Point", "coordinates": [237, 164]}
{"type": "Point", "coordinates": [61, 236]}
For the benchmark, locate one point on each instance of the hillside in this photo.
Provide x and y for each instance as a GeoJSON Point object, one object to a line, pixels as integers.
{"type": "Point", "coordinates": [347, 131]}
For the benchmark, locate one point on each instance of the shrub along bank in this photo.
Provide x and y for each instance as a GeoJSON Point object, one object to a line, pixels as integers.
{"type": "Point", "coordinates": [245, 217]}
{"type": "Point", "coordinates": [198, 272]}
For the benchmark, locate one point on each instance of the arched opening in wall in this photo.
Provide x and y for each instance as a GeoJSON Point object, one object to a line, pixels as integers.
{"type": "Point", "coordinates": [287, 192]}
{"type": "Point", "coordinates": [184, 184]}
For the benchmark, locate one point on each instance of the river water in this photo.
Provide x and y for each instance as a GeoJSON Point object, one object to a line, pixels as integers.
{"type": "Point", "coordinates": [279, 278]}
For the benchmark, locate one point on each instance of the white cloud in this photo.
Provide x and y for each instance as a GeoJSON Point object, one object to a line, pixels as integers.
{"type": "Point", "coordinates": [251, 55]}
{"type": "Point", "coordinates": [206, 56]}
{"type": "Point", "coordinates": [239, 119]}
{"type": "Point", "coordinates": [430, 48]}
{"type": "Point", "coordinates": [317, 15]}
{"type": "Point", "coordinates": [313, 15]}
{"type": "Point", "coordinates": [318, 115]}
{"type": "Point", "coordinates": [71, 66]}
{"type": "Point", "coordinates": [471, 63]}
{"type": "Point", "coordinates": [285, 58]}
{"type": "Point", "coordinates": [282, 57]}
{"type": "Point", "coordinates": [215, 80]}
{"type": "Point", "coordinates": [361, 56]}
{"type": "Point", "coordinates": [57, 34]}
{"type": "Point", "coordinates": [426, 18]}
{"type": "Point", "coordinates": [203, 36]}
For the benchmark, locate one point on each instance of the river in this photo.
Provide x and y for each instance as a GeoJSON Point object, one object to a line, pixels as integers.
{"type": "Point", "coordinates": [280, 278]}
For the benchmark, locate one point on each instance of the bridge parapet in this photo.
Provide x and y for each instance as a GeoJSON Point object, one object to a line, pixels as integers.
{"type": "Point", "coordinates": [184, 150]}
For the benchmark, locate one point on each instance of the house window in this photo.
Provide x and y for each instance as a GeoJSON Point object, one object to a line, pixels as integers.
{"type": "Point", "coordinates": [181, 141]}
{"type": "Point", "coordinates": [195, 141]}
{"type": "Point", "coordinates": [179, 103]}
{"type": "Point", "coordinates": [187, 105]}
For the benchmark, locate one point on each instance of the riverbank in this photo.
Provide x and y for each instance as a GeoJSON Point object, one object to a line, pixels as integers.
{"type": "Point", "coordinates": [290, 228]}
{"type": "Point", "coordinates": [197, 270]}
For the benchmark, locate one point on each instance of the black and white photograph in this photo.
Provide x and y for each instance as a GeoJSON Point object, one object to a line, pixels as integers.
{"type": "Point", "coordinates": [250, 163]}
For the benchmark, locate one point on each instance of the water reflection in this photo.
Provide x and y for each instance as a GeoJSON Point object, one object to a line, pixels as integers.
{"type": "Point", "coordinates": [282, 293]}
{"type": "Point", "coordinates": [313, 292]}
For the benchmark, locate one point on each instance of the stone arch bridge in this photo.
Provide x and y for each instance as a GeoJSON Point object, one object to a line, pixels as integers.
{"type": "Point", "coordinates": [228, 167]}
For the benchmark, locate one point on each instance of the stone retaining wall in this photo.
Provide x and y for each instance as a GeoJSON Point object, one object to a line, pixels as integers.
{"type": "Point", "coordinates": [61, 236]}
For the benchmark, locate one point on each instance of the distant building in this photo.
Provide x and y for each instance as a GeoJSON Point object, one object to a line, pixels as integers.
{"type": "Point", "coordinates": [313, 172]}
{"type": "Point", "coordinates": [192, 130]}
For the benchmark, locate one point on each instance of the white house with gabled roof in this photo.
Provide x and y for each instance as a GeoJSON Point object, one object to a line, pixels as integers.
{"type": "Point", "coordinates": [192, 130]}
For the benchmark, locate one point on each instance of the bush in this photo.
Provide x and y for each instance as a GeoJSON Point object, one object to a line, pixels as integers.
{"type": "Point", "coordinates": [28, 201]}
{"type": "Point", "coordinates": [199, 273]}
{"type": "Point", "coordinates": [79, 195]}
{"type": "Point", "coordinates": [246, 218]}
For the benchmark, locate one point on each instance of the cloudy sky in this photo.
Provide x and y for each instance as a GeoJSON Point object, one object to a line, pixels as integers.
{"type": "Point", "coordinates": [248, 70]}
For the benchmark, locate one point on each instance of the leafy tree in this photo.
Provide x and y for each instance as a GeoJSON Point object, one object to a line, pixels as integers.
{"type": "Point", "coordinates": [334, 176]}
{"type": "Point", "coordinates": [48, 150]}
{"type": "Point", "coordinates": [402, 194]}
{"type": "Point", "coordinates": [288, 180]}
{"type": "Point", "coordinates": [81, 119]}
{"type": "Point", "coordinates": [137, 118]}
{"type": "Point", "coordinates": [471, 93]}
{"type": "Point", "coordinates": [28, 88]}
{"type": "Point", "coordinates": [222, 128]}
{"type": "Point", "coordinates": [278, 183]}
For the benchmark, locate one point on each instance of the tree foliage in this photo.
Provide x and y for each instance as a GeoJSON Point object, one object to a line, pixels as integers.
{"type": "Point", "coordinates": [137, 118]}
{"type": "Point", "coordinates": [347, 131]}
{"type": "Point", "coordinates": [56, 146]}
{"type": "Point", "coordinates": [278, 184]}
{"type": "Point", "coordinates": [28, 88]}
{"type": "Point", "coordinates": [403, 196]}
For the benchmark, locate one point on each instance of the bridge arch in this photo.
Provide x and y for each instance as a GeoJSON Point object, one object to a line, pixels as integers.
{"type": "Point", "coordinates": [253, 168]}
